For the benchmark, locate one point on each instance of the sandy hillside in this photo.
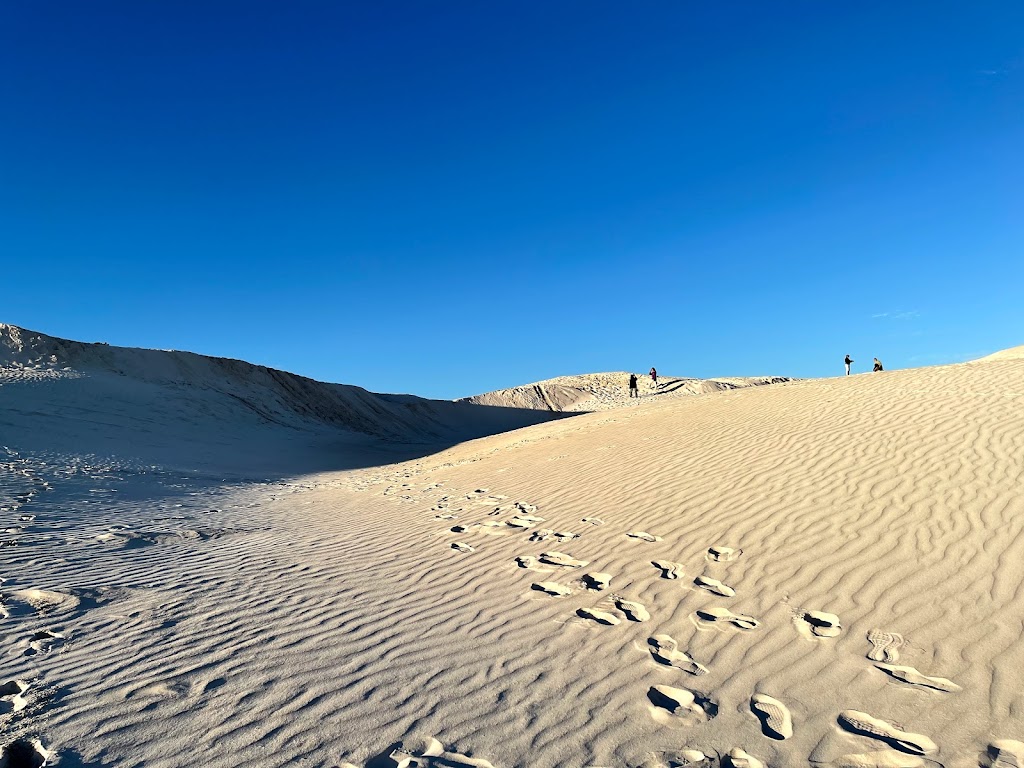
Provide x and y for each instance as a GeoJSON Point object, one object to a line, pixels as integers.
{"type": "Point", "coordinates": [603, 391]}
{"type": "Point", "coordinates": [823, 572]}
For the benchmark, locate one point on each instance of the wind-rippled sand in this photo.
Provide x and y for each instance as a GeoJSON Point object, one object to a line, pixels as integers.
{"type": "Point", "coordinates": [840, 572]}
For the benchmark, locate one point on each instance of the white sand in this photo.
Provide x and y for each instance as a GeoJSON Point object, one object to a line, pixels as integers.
{"type": "Point", "coordinates": [161, 618]}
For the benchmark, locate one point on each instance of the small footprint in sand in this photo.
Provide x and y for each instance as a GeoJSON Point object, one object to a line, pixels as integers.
{"type": "Point", "coordinates": [669, 570]}
{"type": "Point", "coordinates": [914, 677]}
{"type": "Point", "coordinates": [819, 624]}
{"type": "Point", "coordinates": [665, 650]}
{"type": "Point", "coordinates": [12, 696]}
{"type": "Point", "coordinates": [551, 588]}
{"type": "Point", "coordinates": [776, 721]}
{"type": "Point", "coordinates": [44, 641]}
{"type": "Point", "coordinates": [598, 581]}
{"type": "Point", "coordinates": [593, 520]}
{"type": "Point", "coordinates": [444, 517]}
{"type": "Point", "coordinates": [1004, 753]}
{"type": "Point", "coordinates": [738, 758]}
{"type": "Point", "coordinates": [861, 722]}
{"type": "Point", "coordinates": [714, 615]}
{"type": "Point", "coordinates": [643, 536]}
{"type": "Point", "coordinates": [561, 559]}
{"type": "Point", "coordinates": [682, 703]}
{"type": "Point", "coordinates": [881, 758]}
{"type": "Point", "coordinates": [525, 561]}
{"type": "Point", "coordinates": [715, 586]}
{"type": "Point", "coordinates": [885, 646]}
{"type": "Point", "coordinates": [601, 617]}
{"type": "Point", "coordinates": [461, 546]}
{"type": "Point", "coordinates": [29, 753]}
{"type": "Point", "coordinates": [634, 611]}
{"type": "Point", "coordinates": [723, 554]}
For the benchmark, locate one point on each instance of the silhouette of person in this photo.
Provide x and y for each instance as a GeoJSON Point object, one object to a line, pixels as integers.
{"type": "Point", "coordinates": [847, 362]}
{"type": "Point", "coordinates": [633, 391]}
{"type": "Point", "coordinates": [878, 365]}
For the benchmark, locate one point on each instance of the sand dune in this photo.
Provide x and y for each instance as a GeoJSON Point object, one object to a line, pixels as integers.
{"type": "Point", "coordinates": [833, 575]}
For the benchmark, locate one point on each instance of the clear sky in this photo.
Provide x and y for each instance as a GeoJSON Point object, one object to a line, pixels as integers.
{"type": "Point", "coordinates": [445, 198]}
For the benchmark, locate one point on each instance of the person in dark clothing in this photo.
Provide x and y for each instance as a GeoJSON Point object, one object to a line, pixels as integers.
{"type": "Point", "coordinates": [847, 361]}
{"type": "Point", "coordinates": [654, 376]}
{"type": "Point", "coordinates": [878, 365]}
{"type": "Point", "coordinates": [633, 391]}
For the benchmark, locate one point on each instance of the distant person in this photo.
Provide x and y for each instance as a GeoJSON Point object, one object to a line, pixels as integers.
{"type": "Point", "coordinates": [847, 362]}
{"type": "Point", "coordinates": [633, 391]}
{"type": "Point", "coordinates": [654, 377]}
{"type": "Point", "coordinates": [878, 365]}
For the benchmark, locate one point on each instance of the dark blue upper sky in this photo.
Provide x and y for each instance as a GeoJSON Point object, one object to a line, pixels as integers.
{"type": "Point", "coordinates": [447, 197]}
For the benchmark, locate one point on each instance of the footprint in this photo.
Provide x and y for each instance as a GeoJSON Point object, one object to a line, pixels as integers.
{"type": "Point", "coordinates": [738, 758]}
{"type": "Point", "coordinates": [882, 758]}
{"type": "Point", "coordinates": [598, 581]}
{"type": "Point", "coordinates": [885, 646]}
{"type": "Point", "coordinates": [593, 520]}
{"type": "Point", "coordinates": [601, 617]}
{"type": "Point", "coordinates": [461, 546]}
{"type": "Point", "coordinates": [634, 611]}
{"type": "Point", "coordinates": [861, 722]}
{"type": "Point", "coordinates": [715, 586]}
{"type": "Point", "coordinates": [714, 615]}
{"type": "Point", "coordinates": [444, 517]}
{"type": "Point", "coordinates": [820, 624]}
{"type": "Point", "coordinates": [541, 534]}
{"type": "Point", "coordinates": [720, 554]}
{"type": "Point", "coordinates": [682, 703]}
{"type": "Point", "coordinates": [643, 536]}
{"type": "Point", "coordinates": [12, 697]}
{"type": "Point", "coordinates": [665, 650]}
{"type": "Point", "coordinates": [1004, 753]}
{"type": "Point", "coordinates": [24, 753]}
{"type": "Point", "coordinates": [914, 677]}
{"type": "Point", "coordinates": [564, 536]}
{"type": "Point", "coordinates": [44, 641]}
{"type": "Point", "coordinates": [561, 559]}
{"type": "Point", "coordinates": [525, 561]}
{"type": "Point", "coordinates": [669, 570]}
{"type": "Point", "coordinates": [776, 722]}
{"type": "Point", "coordinates": [552, 588]}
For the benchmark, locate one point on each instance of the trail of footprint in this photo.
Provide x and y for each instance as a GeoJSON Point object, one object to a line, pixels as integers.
{"type": "Point", "coordinates": [714, 586]}
{"type": "Point", "coordinates": [914, 677]}
{"type": "Point", "coordinates": [562, 560]}
{"type": "Point", "coordinates": [669, 570]}
{"type": "Point", "coordinates": [634, 611]}
{"type": "Point", "coordinates": [601, 617]}
{"type": "Point", "coordinates": [552, 588]}
{"type": "Point", "coordinates": [665, 650]}
{"type": "Point", "coordinates": [715, 615]}
{"type": "Point", "coordinates": [885, 646]}
{"type": "Point", "coordinates": [776, 721]}
{"type": "Point", "coordinates": [719, 554]}
{"type": "Point", "coordinates": [861, 722]}
{"type": "Point", "coordinates": [643, 536]}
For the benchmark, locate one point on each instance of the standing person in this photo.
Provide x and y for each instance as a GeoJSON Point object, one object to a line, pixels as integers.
{"type": "Point", "coordinates": [633, 391]}
{"type": "Point", "coordinates": [847, 362]}
{"type": "Point", "coordinates": [878, 366]}
{"type": "Point", "coordinates": [654, 376]}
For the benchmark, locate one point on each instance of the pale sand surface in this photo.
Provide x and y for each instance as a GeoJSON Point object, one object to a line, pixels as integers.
{"type": "Point", "coordinates": [162, 619]}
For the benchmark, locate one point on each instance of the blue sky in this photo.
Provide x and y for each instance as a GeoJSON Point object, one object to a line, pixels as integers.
{"type": "Point", "coordinates": [445, 198]}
